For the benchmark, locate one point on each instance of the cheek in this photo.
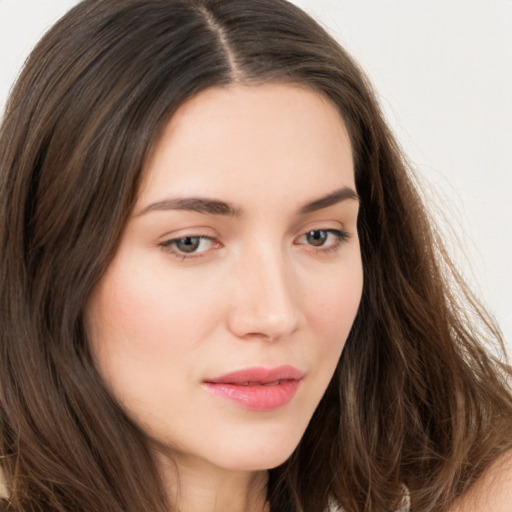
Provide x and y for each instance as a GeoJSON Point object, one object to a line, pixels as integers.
{"type": "Point", "coordinates": [332, 311]}
{"type": "Point", "coordinates": [145, 336]}
{"type": "Point", "coordinates": [144, 313]}
{"type": "Point", "coordinates": [333, 307]}
{"type": "Point", "coordinates": [136, 328]}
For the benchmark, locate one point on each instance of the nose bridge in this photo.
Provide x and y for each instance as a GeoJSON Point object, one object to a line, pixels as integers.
{"type": "Point", "coordinates": [266, 304]}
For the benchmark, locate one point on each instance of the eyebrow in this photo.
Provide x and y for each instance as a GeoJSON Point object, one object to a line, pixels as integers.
{"type": "Point", "coordinates": [194, 204]}
{"type": "Point", "coordinates": [331, 199]}
{"type": "Point", "coordinates": [209, 206]}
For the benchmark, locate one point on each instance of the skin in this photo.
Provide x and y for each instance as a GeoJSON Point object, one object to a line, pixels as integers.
{"type": "Point", "coordinates": [492, 491]}
{"type": "Point", "coordinates": [258, 291]}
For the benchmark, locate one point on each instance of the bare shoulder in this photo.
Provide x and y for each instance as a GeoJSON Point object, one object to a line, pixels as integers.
{"type": "Point", "coordinates": [493, 490]}
{"type": "Point", "coordinates": [3, 490]}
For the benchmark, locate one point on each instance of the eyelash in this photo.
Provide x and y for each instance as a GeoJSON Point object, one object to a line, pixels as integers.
{"type": "Point", "coordinates": [341, 236]}
{"type": "Point", "coordinates": [170, 245]}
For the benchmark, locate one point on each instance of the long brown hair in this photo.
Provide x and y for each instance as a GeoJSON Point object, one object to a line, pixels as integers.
{"type": "Point", "coordinates": [415, 400]}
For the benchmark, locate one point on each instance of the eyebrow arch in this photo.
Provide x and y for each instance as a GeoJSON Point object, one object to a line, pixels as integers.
{"type": "Point", "coordinates": [329, 200]}
{"type": "Point", "coordinates": [216, 207]}
{"type": "Point", "coordinates": [194, 204]}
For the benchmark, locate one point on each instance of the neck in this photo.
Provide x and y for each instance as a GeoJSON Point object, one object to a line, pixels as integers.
{"type": "Point", "coordinates": [203, 487]}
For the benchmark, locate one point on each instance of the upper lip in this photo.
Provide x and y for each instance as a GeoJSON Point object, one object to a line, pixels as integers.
{"type": "Point", "coordinates": [258, 375]}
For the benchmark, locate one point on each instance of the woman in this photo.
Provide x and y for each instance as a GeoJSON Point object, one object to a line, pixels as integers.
{"type": "Point", "coordinates": [220, 289]}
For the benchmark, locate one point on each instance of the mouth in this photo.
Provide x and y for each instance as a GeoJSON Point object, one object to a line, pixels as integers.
{"type": "Point", "coordinates": [258, 388]}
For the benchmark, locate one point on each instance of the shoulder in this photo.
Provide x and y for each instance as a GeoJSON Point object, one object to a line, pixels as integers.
{"type": "Point", "coordinates": [3, 492]}
{"type": "Point", "coordinates": [492, 491]}
{"type": "Point", "coordinates": [405, 505]}
{"type": "Point", "coordinates": [3, 489]}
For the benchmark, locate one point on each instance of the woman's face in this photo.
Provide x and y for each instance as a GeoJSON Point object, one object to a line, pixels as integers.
{"type": "Point", "coordinates": [220, 321]}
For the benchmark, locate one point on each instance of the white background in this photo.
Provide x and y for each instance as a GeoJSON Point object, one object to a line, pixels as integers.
{"type": "Point", "coordinates": [443, 73]}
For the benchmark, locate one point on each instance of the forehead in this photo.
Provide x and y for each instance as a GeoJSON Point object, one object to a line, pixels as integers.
{"type": "Point", "coordinates": [274, 139]}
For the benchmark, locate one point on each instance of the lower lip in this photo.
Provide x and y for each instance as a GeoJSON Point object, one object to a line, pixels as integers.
{"type": "Point", "coordinates": [256, 397]}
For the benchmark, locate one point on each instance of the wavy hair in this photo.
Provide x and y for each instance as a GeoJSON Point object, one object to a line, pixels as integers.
{"type": "Point", "coordinates": [415, 400]}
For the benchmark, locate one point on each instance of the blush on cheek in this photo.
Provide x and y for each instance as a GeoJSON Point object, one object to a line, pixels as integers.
{"type": "Point", "coordinates": [337, 304]}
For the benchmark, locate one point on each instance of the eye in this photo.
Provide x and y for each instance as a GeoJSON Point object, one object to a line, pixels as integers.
{"type": "Point", "coordinates": [323, 240]}
{"type": "Point", "coordinates": [317, 238]}
{"type": "Point", "coordinates": [189, 246]}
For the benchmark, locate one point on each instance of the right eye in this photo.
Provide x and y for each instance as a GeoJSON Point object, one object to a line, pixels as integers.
{"type": "Point", "coordinates": [189, 246]}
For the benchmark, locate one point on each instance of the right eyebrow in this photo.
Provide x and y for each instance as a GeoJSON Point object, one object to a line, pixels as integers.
{"type": "Point", "coordinates": [194, 204]}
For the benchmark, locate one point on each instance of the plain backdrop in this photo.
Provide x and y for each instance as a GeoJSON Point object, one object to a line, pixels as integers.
{"type": "Point", "coordinates": [442, 70]}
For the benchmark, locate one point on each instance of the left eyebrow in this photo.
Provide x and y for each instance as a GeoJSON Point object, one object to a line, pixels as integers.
{"type": "Point", "coordinates": [331, 199]}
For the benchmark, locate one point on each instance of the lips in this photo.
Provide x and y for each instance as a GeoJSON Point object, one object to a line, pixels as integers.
{"type": "Point", "coordinates": [258, 388]}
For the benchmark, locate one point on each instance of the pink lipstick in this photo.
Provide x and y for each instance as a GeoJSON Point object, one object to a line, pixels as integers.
{"type": "Point", "coordinates": [258, 388]}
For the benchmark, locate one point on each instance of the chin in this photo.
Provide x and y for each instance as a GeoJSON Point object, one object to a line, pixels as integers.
{"type": "Point", "coordinates": [259, 455]}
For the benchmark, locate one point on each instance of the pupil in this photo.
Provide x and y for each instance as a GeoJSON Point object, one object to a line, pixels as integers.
{"type": "Point", "coordinates": [188, 244]}
{"type": "Point", "coordinates": [317, 237]}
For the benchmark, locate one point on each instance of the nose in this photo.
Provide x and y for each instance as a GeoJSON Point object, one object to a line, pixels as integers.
{"type": "Point", "coordinates": [266, 300]}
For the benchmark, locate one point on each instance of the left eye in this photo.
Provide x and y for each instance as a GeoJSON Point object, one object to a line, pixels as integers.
{"type": "Point", "coordinates": [323, 237]}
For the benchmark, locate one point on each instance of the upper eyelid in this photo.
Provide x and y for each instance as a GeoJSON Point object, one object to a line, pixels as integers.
{"type": "Point", "coordinates": [179, 234]}
{"type": "Point", "coordinates": [171, 240]}
{"type": "Point", "coordinates": [340, 234]}
{"type": "Point", "coordinates": [320, 220]}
